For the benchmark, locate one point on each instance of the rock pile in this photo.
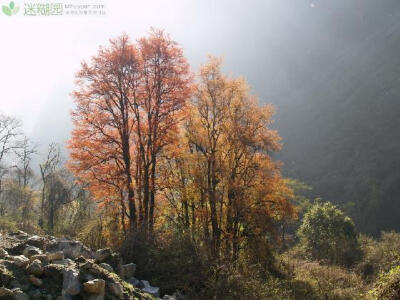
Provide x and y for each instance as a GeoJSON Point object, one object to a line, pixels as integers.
{"type": "Point", "coordinates": [35, 267]}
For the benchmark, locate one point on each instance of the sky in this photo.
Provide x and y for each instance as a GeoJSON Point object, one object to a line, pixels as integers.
{"type": "Point", "coordinates": [272, 43]}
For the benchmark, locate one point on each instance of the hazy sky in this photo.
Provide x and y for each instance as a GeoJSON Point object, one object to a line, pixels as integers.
{"type": "Point", "coordinates": [272, 43]}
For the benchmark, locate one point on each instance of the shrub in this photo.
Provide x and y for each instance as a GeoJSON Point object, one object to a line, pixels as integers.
{"type": "Point", "coordinates": [326, 233]}
{"type": "Point", "coordinates": [380, 256]}
{"type": "Point", "coordinates": [388, 286]}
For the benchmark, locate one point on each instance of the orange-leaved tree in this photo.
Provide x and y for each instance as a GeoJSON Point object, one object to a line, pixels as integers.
{"type": "Point", "coordinates": [129, 101]}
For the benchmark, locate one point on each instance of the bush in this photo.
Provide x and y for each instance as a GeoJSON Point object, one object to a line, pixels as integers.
{"type": "Point", "coordinates": [388, 286]}
{"type": "Point", "coordinates": [326, 233]}
{"type": "Point", "coordinates": [380, 256]}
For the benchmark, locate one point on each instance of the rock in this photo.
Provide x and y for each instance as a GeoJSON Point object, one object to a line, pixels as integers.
{"type": "Point", "coordinates": [41, 257]}
{"type": "Point", "coordinates": [35, 268]}
{"type": "Point", "coordinates": [54, 272]}
{"type": "Point", "coordinates": [71, 284]}
{"type": "Point", "coordinates": [102, 254]}
{"type": "Point", "coordinates": [3, 253]}
{"type": "Point", "coordinates": [20, 260]}
{"type": "Point", "coordinates": [5, 276]}
{"type": "Point", "coordinates": [168, 297]}
{"type": "Point", "coordinates": [35, 281]}
{"type": "Point", "coordinates": [59, 255]}
{"type": "Point", "coordinates": [135, 282]}
{"type": "Point", "coordinates": [36, 241]}
{"type": "Point", "coordinates": [19, 295]}
{"type": "Point", "coordinates": [107, 267]}
{"type": "Point", "coordinates": [115, 288]}
{"type": "Point", "coordinates": [5, 292]}
{"type": "Point", "coordinates": [95, 286]}
{"type": "Point", "coordinates": [71, 249]}
{"type": "Point", "coordinates": [127, 271]}
{"type": "Point", "coordinates": [154, 291]}
{"type": "Point", "coordinates": [64, 262]}
{"type": "Point", "coordinates": [31, 250]}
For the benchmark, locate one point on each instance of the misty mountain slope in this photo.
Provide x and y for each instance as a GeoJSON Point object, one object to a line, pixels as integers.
{"type": "Point", "coordinates": [341, 134]}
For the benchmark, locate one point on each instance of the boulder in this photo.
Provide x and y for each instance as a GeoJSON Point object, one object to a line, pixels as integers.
{"type": "Point", "coordinates": [107, 267]}
{"type": "Point", "coordinates": [95, 286]}
{"type": "Point", "coordinates": [4, 292]}
{"type": "Point", "coordinates": [102, 255]}
{"type": "Point", "coordinates": [3, 253]}
{"type": "Point", "coordinates": [35, 268]}
{"type": "Point", "coordinates": [36, 241]}
{"type": "Point", "coordinates": [135, 282]}
{"type": "Point", "coordinates": [59, 255]}
{"type": "Point", "coordinates": [152, 290]}
{"type": "Point", "coordinates": [54, 272]}
{"type": "Point", "coordinates": [71, 284]}
{"type": "Point", "coordinates": [64, 262]}
{"type": "Point", "coordinates": [35, 281]}
{"type": "Point", "coordinates": [71, 249]}
{"type": "Point", "coordinates": [31, 250]}
{"type": "Point", "coordinates": [41, 257]}
{"type": "Point", "coordinates": [127, 271]}
{"type": "Point", "coordinates": [20, 260]}
{"type": "Point", "coordinates": [115, 288]}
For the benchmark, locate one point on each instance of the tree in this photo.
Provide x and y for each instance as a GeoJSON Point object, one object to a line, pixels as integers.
{"type": "Point", "coordinates": [225, 186]}
{"type": "Point", "coordinates": [129, 102]}
{"type": "Point", "coordinates": [10, 132]}
{"type": "Point", "coordinates": [326, 233]}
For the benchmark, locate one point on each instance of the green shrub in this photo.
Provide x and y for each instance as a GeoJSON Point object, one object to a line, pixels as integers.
{"type": "Point", "coordinates": [380, 256]}
{"type": "Point", "coordinates": [327, 234]}
{"type": "Point", "coordinates": [388, 286]}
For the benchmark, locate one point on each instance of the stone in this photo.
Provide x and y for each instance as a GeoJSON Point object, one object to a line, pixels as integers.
{"type": "Point", "coordinates": [154, 291]}
{"type": "Point", "coordinates": [36, 241]}
{"type": "Point", "coordinates": [35, 268]}
{"type": "Point", "coordinates": [20, 260]}
{"type": "Point", "coordinates": [5, 292]}
{"type": "Point", "coordinates": [127, 271]}
{"type": "Point", "coordinates": [35, 281]}
{"type": "Point", "coordinates": [64, 262]}
{"type": "Point", "coordinates": [71, 284]}
{"type": "Point", "coordinates": [135, 282]}
{"type": "Point", "coordinates": [107, 267]}
{"type": "Point", "coordinates": [147, 288]}
{"type": "Point", "coordinates": [31, 250]}
{"type": "Point", "coordinates": [71, 249]}
{"type": "Point", "coordinates": [41, 257]}
{"type": "Point", "coordinates": [102, 254]}
{"type": "Point", "coordinates": [59, 255]}
{"type": "Point", "coordinates": [54, 272]}
{"type": "Point", "coordinates": [19, 295]}
{"type": "Point", "coordinates": [95, 286]}
{"type": "Point", "coordinates": [115, 288]}
{"type": "Point", "coordinates": [3, 253]}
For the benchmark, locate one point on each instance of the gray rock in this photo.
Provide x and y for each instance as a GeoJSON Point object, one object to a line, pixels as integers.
{"type": "Point", "coordinates": [31, 250]}
{"type": "Point", "coordinates": [127, 271]}
{"type": "Point", "coordinates": [115, 288]}
{"type": "Point", "coordinates": [20, 260]}
{"type": "Point", "coordinates": [35, 281]}
{"type": "Point", "coordinates": [135, 282]}
{"type": "Point", "coordinates": [35, 268]}
{"type": "Point", "coordinates": [71, 284]}
{"type": "Point", "coordinates": [154, 291]}
{"type": "Point", "coordinates": [3, 253]}
{"type": "Point", "coordinates": [19, 295]}
{"type": "Point", "coordinates": [95, 286]}
{"type": "Point", "coordinates": [59, 255]}
{"type": "Point", "coordinates": [64, 262]}
{"type": "Point", "coordinates": [36, 241]}
{"type": "Point", "coordinates": [102, 254]}
{"type": "Point", "coordinates": [41, 257]}
{"type": "Point", "coordinates": [71, 249]}
{"type": "Point", "coordinates": [107, 267]}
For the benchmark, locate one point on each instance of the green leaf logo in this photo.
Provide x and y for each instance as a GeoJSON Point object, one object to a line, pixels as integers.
{"type": "Point", "coordinates": [11, 9]}
{"type": "Point", "coordinates": [7, 10]}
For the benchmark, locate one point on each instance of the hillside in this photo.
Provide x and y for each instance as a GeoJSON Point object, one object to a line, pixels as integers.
{"type": "Point", "coordinates": [341, 131]}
